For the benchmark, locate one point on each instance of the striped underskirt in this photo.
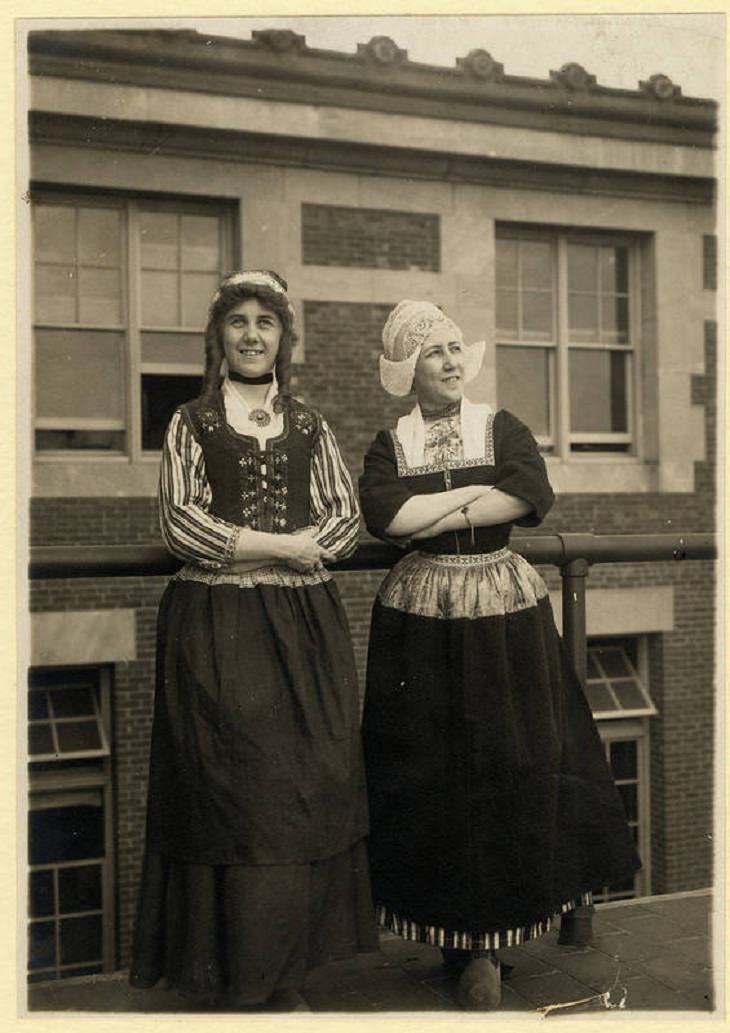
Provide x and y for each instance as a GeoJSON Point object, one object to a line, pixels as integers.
{"type": "Point", "coordinates": [438, 937]}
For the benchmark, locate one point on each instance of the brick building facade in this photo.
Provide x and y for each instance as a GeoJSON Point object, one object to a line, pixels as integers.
{"type": "Point", "coordinates": [160, 160]}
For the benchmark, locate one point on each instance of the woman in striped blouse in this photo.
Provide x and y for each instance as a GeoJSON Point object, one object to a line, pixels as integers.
{"type": "Point", "coordinates": [255, 869]}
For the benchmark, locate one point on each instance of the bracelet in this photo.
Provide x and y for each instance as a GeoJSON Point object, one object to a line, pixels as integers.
{"type": "Point", "coordinates": [465, 511]}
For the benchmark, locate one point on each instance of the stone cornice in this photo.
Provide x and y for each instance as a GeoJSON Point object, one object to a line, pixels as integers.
{"type": "Point", "coordinates": [278, 65]}
{"type": "Point", "coordinates": [229, 145]}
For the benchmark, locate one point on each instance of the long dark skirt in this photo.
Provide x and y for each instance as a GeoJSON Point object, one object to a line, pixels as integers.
{"type": "Point", "coordinates": [257, 806]}
{"type": "Point", "coordinates": [232, 934]}
{"type": "Point", "coordinates": [492, 805]}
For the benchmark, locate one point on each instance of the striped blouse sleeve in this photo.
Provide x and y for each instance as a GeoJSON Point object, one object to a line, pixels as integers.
{"type": "Point", "coordinates": [334, 503]}
{"type": "Point", "coordinates": [188, 528]}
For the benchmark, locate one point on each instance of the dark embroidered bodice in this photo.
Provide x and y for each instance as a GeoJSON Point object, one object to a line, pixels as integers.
{"type": "Point", "coordinates": [266, 489]}
{"type": "Point", "coordinates": [511, 462]}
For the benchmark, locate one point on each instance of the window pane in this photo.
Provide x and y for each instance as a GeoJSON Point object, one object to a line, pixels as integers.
{"type": "Point", "coordinates": [537, 315]}
{"type": "Point", "coordinates": [37, 705]}
{"type": "Point", "coordinates": [54, 233]}
{"type": "Point", "coordinates": [173, 348]}
{"type": "Point", "coordinates": [40, 894]}
{"type": "Point", "coordinates": [200, 243]}
{"type": "Point", "coordinates": [72, 702]}
{"type": "Point", "coordinates": [506, 253]}
{"type": "Point", "coordinates": [622, 889]}
{"type": "Point", "coordinates": [593, 671]}
{"type": "Point", "coordinates": [582, 267]}
{"type": "Point", "coordinates": [599, 698]}
{"type": "Point", "coordinates": [197, 290]}
{"type": "Point", "coordinates": [615, 270]}
{"type": "Point", "coordinates": [629, 798]}
{"type": "Point", "coordinates": [160, 302]}
{"type": "Point", "coordinates": [55, 293]}
{"type": "Point", "coordinates": [624, 758]}
{"type": "Point", "coordinates": [507, 322]}
{"type": "Point", "coordinates": [159, 240]}
{"type": "Point", "coordinates": [96, 440]}
{"type": "Point", "coordinates": [41, 945]}
{"type": "Point", "coordinates": [614, 662]}
{"type": "Point", "coordinates": [161, 395]}
{"type": "Point", "coordinates": [583, 317]}
{"type": "Point", "coordinates": [79, 889]}
{"type": "Point", "coordinates": [100, 297]}
{"type": "Point", "coordinates": [99, 237]}
{"type": "Point", "coordinates": [68, 363]}
{"type": "Point", "coordinates": [75, 736]}
{"type": "Point", "coordinates": [615, 319]}
{"type": "Point", "coordinates": [81, 939]}
{"type": "Point", "coordinates": [537, 264]}
{"type": "Point", "coordinates": [523, 380]}
{"type": "Point", "coordinates": [629, 695]}
{"type": "Point", "coordinates": [66, 833]}
{"type": "Point", "coordinates": [40, 740]}
{"type": "Point", "coordinates": [598, 400]}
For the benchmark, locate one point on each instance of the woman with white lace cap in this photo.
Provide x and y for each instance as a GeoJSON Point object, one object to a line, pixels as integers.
{"type": "Point", "coordinates": [255, 866]}
{"type": "Point", "coordinates": [491, 803]}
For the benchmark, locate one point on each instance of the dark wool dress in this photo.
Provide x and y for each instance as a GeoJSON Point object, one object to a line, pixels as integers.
{"type": "Point", "coordinates": [492, 807]}
{"type": "Point", "coordinates": [255, 867]}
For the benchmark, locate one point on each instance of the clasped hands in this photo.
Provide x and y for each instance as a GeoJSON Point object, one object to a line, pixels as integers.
{"type": "Point", "coordinates": [297, 550]}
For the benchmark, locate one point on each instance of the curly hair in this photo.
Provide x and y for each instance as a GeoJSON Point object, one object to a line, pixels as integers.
{"type": "Point", "coordinates": [232, 291]}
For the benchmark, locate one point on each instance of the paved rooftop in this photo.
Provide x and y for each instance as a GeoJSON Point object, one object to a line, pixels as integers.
{"type": "Point", "coordinates": [650, 954]}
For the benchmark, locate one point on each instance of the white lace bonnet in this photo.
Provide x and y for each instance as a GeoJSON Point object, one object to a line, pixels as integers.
{"type": "Point", "coordinates": [408, 327]}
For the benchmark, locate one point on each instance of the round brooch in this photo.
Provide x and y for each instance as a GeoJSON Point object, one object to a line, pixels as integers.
{"type": "Point", "coordinates": [259, 417]}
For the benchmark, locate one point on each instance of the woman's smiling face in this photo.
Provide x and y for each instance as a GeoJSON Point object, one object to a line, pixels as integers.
{"type": "Point", "coordinates": [251, 334]}
{"type": "Point", "coordinates": [439, 373]}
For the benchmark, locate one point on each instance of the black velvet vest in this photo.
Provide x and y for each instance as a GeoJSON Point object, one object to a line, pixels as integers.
{"type": "Point", "coordinates": [265, 489]}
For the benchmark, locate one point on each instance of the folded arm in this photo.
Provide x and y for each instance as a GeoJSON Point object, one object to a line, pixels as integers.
{"type": "Point", "coordinates": [493, 507]}
{"type": "Point", "coordinates": [420, 513]}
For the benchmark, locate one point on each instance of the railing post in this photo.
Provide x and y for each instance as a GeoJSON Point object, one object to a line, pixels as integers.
{"type": "Point", "coordinates": [576, 926]}
{"type": "Point", "coordinates": [574, 574]}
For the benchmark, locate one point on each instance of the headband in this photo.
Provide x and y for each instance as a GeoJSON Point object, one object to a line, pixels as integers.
{"type": "Point", "coordinates": [256, 278]}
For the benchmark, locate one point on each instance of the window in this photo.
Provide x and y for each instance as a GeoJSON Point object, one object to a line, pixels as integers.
{"type": "Point", "coordinates": [70, 887]}
{"type": "Point", "coordinates": [613, 686]}
{"type": "Point", "coordinates": [121, 290]}
{"type": "Point", "coordinates": [621, 705]}
{"type": "Point", "coordinates": [567, 318]}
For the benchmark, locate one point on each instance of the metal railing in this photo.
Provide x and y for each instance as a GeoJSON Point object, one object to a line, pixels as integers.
{"type": "Point", "coordinates": [573, 554]}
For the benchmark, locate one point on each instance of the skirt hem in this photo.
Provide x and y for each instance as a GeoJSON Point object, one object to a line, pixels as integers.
{"type": "Point", "coordinates": [437, 936]}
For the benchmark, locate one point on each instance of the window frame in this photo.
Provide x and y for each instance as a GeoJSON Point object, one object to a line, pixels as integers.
{"type": "Point", "coordinates": [133, 367]}
{"type": "Point", "coordinates": [638, 729]}
{"type": "Point", "coordinates": [64, 777]}
{"type": "Point", "coordinates": [633, 730]}
{"type": "Point", "coordinates": [559, 442]}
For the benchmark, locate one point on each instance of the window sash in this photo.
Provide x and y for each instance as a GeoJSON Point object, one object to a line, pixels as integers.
{"type": "Point", "coordinates": [562, 437]}
{"type": "Point", "coordinates": [636, 730]}
{"type": "Point", "coordinates": [132, 327]}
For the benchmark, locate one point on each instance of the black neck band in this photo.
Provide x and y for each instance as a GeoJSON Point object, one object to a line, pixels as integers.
{"type": "Point", "coordinates": [437, 414]}
{"type": "Point", "coordinates": [265, 378]}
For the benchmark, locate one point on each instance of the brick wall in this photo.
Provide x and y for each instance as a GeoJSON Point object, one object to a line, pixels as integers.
{"type": "Point", "coordinates": [340, 377]}
{"type": "Point", "coordinates": [370, 238]}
